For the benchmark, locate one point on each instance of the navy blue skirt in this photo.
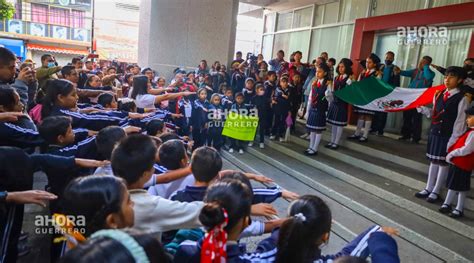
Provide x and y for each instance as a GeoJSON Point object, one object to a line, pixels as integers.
{"type": "Point", "coordinates": [337, 114]}
{"type": "Point", "coordinates": [437, 147]}
{"type": "Point", "coordinates": [363, 111]}
{"type": "Point", "coordinates": [316, 120]}
{"type": "Point", "coordinates": [458, 179]}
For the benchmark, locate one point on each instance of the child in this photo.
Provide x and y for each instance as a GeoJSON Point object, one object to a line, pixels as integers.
{"type": "Point", "coordinates": [185, 109]}
{"type": "Point", "coordinates": [270, 86]}
{"type": "Point", "coordinates": [115, 245]}
{"type": "Point", "coordinates": [365, 116]}
{"type": "Point", "coordinates": [107, 101]}
{"type": "Point", "coordinates": [225, 215]}
{"type": "Point", "coordinates": [281, 109]}
{"type": "Point", "coordinates": [260, 102]}
{"type": "Point", "coordinates": [172, 156]}
{"type": "Point", "coordinates": [199, 118]}
{"type": "Point", "coordinates": [215, 124]}
{"type": "Point", "coordinates": [155, 128]}
{"type": "Point", "coordinates": [238, 78]}
{"type": "Point", "coordinates": [103, 201]}
{"type": "Point", "coordinates": [461, 159]}
{"type": "Point", "coordinates": [337, 114]}
{"type": "Point", "coordinates": [133, 160]}
{"type": "Point", "coordinates": [317, 107]}
{"type": "Point", "coordinates": [240, 108]}
{"type": "Point", "coordinates": [448, 123]}
{"type": "Point", "coordinates": [296, 96]}
{"type": "Point", "coordinates": [308, 228]}
{"type": "Point", "coordinates": [249, 91]}
{"type": "Point", "coordinates": [227, 99]}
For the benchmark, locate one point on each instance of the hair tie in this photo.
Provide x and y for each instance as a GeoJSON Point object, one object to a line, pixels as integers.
{"type": "Point", "coordinates": [137, 251]}
{"type": "Point", "coordinates": [214, 243]}
{"type": "Point", "coordinates": [70, 233]}
{"type": "Point", "coordinates": [300, 216]}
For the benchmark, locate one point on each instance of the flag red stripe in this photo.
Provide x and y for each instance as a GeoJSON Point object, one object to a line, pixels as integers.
{"type": "Point", "coordinates": [425, 98]}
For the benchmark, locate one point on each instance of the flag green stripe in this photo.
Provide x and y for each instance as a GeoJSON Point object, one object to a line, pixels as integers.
{"type": "Point", "coordinates": [365, 91]}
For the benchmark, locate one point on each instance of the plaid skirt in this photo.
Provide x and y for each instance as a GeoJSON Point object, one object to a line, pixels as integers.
{"type": "Point", "coordinates": [316, 120]}
{"type": "Point", "coordinates": [437, 147]}
{"type": "Point", "coordinates": [458, 179]}
{"type": "Point", "coordinates": [337, 114]}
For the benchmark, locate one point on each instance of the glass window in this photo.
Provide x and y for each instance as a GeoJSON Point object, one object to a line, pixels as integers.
{"type": "Point", "coordinates": [318, 15]}
{"type": "Point", "coordinates": [291, 42]}
{"type": "Point", "coordinates": [384, 7]}
{"type": "Point", "coordinates": [269, 23]}
{"type": "Point", "coordinates": [353, 9]}
{"type": "Point", "coordinates": [267, 46]}
{"type": "Point", "coordinates": [437, 3]}
{"type": "Point", "coordinates": [284, 21]}
{"type": "Point", "coordinates": [302, 17]}
{"type": "Point", "coordinates": [331, 13]}
{"type": "Point", "coordinates": [337, 41]}
{"type": "Point", "coordinates": [451, 54]}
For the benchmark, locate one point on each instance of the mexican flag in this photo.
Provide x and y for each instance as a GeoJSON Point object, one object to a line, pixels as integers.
{"type": "Point", "coordinates": [376, 95]}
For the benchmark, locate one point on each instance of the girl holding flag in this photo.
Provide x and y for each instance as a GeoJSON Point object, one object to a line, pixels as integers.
{"type": "Point", "coordinates": [317, 107]}
{"type": "Point", "coordinates": [337, 114]}
{"type": "Point", "coordinates": [448, 123]}
{"type": "Point", "coordinates": [365, 116]}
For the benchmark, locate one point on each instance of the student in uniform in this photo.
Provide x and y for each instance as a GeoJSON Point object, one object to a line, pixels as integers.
{"type": "Point", "coordinates": [365, 116]}
{"type": "Point", "coordinates": [281, 109]}
{"type": "Point", "coordinates": [238, 107]}
{"type": "Point", "coordinates": [216, 122]}
{"type": "Point", "coordinates": [249, 90]}
{"type": "Point", "coordinates": [337, 114]}
{"type": "Point", "coordinates": [270, 86]}
{"type": "Point", "coordinates": [261, 104]}
{"type": "Point", "coordinates": [317, 107]}
{"type": "Point", "coordinates": [185, 105]}
{"type": "Point", "coordinates": [199, 118]}
{"type": "Point", "coordinates": [448, 123]}
{"type": "Point", "coordinates": [461, 163]}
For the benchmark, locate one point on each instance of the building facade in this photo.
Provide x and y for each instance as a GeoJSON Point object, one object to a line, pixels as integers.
{"type": "Point", "coordinates": [355, 28]}
{"type": "Point", "coordinates": [59, 27]}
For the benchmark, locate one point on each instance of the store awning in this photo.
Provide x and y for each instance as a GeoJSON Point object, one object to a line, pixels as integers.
{"type": "Point", "coordinates": [52, 49]}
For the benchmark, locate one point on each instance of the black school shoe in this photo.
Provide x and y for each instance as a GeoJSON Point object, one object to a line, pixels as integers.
{"type": "Point", "coordinates": [334, 147]}
{"type": "Point", "coordinates": [456, 214]}
{"type": "Point", "coordinates": [353, 137]}
{"type": "Point", "coordinates": [422, 195]}
{"type": "Point", "coordinates": [363, 139]}
{"type": "Point", "coordinates": [445, 209]}
{"type": "Point", "coordinates": [433, 200]}
{"type": "Point", "coordinates": [329, 145]}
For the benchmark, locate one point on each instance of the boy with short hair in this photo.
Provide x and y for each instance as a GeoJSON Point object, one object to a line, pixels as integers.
{"type": "Point", "coordinates": [133, 160]}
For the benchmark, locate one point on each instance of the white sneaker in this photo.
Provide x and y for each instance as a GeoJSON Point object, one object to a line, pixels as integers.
{"type": "Point", "coordinates": [241, 151]}
{"type": "Point", "coordinates": [231, 150]}
{"type": "Point", "coordinates": [272, 137]}
{"type": "Point", "coordinates": [250, 144]}
{"type": "Point", "coordinates": [262, 145]}
{"type": "Point", "coordinates": [281, 140]}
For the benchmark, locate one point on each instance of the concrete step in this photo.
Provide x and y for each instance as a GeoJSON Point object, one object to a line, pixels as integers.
{"type": "Point", "coordinates": [355, 208]}
{"type": "Point", "coordinates": [384, 188]}
{"type": "Point", "coordinates": [394, 171]}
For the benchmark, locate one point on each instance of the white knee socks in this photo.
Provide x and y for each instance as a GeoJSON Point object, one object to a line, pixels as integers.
{"type": "Point", "coordinates": [360, 123]}
{"type": "Point", "coordinates": [338, 135]}
{"type": "Point", "coordinates": [333, 133]}
{"type": "Point", "coordinates": [316, 142]}
{"type": "Point", "coordinates": [461, 198]}
{"type": "Point", "coordinates": [367, 128]}
{"type": "Point", "coordinates": [441, 180]}
{"type": "Point", "coordinates": [449, 197]}
{"type": "Point", "coordinates": [432, 174]}
{"type": "Point", "coordinates": [312, 138]}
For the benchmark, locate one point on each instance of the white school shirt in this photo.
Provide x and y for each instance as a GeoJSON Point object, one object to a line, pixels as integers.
{"type": "Point", "coordinates": [145, 101]}
{"type": "Point", "coordinates": [166, 190]}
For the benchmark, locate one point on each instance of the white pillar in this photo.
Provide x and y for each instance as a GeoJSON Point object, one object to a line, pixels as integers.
{"type": "Point", "coordinates": [176, 33]}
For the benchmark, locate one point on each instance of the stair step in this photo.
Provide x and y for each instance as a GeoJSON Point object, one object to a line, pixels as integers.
{"type": "Point", "coordinates": [389, 170]}
{"type": "Point", "coordinates": [415, 231]}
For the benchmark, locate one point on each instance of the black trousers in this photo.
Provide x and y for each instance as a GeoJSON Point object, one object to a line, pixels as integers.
{"type": "Point", "coordinates": [214, 137]}
{"type": "Point", "coordinates": [379, 122]}
{"type": "Point", "coordinates": [412, 124]}
{"type": "Point", "coordinates": [199, 137]}
{"type": "Point", "coordinates": [279, 124]}
{"type": "Point", "coordinates": [269, 121]}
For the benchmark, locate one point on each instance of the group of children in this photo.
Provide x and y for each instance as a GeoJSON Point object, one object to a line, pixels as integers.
{"type": "Point", "coordinates": [149, 193]}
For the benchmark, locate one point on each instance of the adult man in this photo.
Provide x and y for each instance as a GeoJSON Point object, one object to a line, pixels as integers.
{"type": "Point", "coordinates": [238, 58]}
{"type": "Point", "coordinates": [48, 70]}
{"type": "Point", "coordinates": [421, 77]}
{"type": "Point", "coordinates": [82, 73]}
{"type": "Point", "coordinates": [391, 77]}
{"type": "Point", "coordinates": [276, 63]}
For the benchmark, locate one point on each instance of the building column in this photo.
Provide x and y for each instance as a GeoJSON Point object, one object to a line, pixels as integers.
{"type": "Point", "coordinates": [179, 33]}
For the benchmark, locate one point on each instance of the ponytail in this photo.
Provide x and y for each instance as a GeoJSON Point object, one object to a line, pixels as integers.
{"type": "Point", "coordinates": [310, 218]}
{"type": "Point", "coordinates": [54, 88]}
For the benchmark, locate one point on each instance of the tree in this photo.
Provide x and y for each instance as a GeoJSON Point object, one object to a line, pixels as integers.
{"type": "Point", "coordinates": [7, 10]}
